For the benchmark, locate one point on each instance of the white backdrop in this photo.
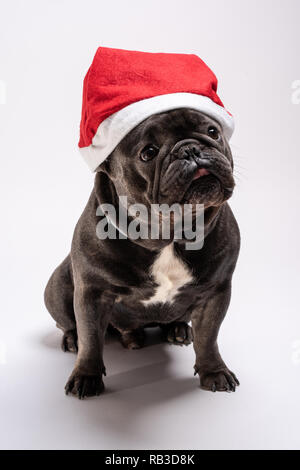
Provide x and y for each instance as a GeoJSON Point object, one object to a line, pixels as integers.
{"type": "Point", "coordinates": [152, 399]}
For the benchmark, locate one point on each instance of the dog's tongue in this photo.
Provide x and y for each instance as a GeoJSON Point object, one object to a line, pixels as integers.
{"type": "Point", "coordinates": [200, 172]}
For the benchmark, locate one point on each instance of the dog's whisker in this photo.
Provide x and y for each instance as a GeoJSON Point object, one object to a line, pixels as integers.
{"type": "Point", "coordinates": [239, 177]}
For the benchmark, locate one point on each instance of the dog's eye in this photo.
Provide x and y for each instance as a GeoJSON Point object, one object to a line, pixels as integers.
{"type": "Point", "coordinates": [149, 152]}
{"type": "Point", "coordinates": [213, 132]}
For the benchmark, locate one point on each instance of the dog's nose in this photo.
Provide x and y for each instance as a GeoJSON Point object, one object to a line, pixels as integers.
{"type": "Point", "coordinates": [186, 149]}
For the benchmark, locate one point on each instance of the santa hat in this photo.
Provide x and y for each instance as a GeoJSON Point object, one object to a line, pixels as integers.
{"type": "Point", "coordinates": [122, 88]}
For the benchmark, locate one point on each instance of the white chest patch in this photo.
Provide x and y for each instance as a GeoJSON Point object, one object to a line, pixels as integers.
{"type": "Point", "coordinates": [170, 273]}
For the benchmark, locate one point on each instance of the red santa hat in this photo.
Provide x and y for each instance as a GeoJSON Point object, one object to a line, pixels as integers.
{"type": "Point", "coordinates": [122, 88]}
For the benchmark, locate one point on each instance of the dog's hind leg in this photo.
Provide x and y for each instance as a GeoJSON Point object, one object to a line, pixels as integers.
{"type": "Point", "coordinates": [132, 339]}
{"type": "Point", "coordinates": [177, 333]}
{"type": "Point", "coordinates": [59, 302]}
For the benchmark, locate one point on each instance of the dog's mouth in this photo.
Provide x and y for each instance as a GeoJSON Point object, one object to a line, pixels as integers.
{"type": "Point", "coordinates": [205, 185]}
{"type": "Point", "coordinates": [200, 173]}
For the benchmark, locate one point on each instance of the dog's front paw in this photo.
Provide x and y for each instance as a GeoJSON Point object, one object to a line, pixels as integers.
{"type": "Point", "coordinates": [84, 385]}
{"type": "Point", "coordinates": [219, 381]}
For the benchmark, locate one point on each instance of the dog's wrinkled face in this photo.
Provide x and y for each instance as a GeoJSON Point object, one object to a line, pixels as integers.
{"type": "Point", "coordinates": [179, 156]}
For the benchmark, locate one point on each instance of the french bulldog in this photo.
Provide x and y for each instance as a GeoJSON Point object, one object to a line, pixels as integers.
{"type": "Point", "coordinates": [179, 156]}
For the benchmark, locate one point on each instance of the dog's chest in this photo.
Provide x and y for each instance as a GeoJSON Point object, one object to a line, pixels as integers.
{"type": "Point", "coordinates": [170, 274]}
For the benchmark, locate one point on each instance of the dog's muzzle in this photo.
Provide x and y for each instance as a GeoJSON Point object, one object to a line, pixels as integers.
{"type": "Point", "coordinates": [195, 163]}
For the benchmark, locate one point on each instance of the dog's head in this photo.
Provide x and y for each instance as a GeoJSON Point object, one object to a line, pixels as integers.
{"type": "Point", "coordinates": [179, 156]}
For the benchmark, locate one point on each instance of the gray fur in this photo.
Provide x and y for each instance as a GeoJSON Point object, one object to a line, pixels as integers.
{"type": "Point", "coordinates": [104, 282]}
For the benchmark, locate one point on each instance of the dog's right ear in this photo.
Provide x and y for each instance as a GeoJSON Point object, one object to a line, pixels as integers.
{"type": "Point", "coordinates": [105, 167]}
{"type": "Point", "coordinates": [104, 186]}
{"type": "Point", "coordinates": [111, 167]}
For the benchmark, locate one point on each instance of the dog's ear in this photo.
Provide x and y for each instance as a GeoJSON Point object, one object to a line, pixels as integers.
{"type": "Point", "coordinates": [105, 166]}
{"type": "Point", "coordinates": [104, 187]}
{"type": "Point", "coordinates": [111, 166]}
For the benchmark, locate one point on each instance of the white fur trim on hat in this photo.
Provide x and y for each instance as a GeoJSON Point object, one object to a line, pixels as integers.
{"type": "Point", "coordinates": [114, 128]}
